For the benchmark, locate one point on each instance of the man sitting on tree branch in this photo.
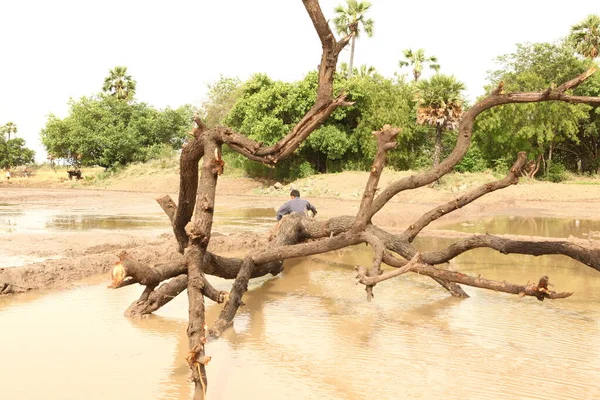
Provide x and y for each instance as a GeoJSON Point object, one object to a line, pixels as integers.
{"type": "Point", "coordinates": [295, 205]}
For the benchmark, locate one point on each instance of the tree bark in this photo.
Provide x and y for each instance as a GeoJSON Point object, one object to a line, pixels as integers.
{"type": "Point", "coordinates": [437, 151]}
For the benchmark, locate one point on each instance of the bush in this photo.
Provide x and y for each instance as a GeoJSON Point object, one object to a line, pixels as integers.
{"type": "Point", "coordinates": [473, 161]}
{"type": "Point", "coordinates": [556, 173]}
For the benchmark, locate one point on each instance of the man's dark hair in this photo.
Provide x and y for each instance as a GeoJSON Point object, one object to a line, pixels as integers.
{"type": "Point", "coordinates": [295, 193]}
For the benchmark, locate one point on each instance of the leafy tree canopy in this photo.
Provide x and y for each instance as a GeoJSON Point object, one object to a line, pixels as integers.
{"type": "Point", "coordinates": [106, 131]}
{"type": "Point", "coordinates": [540, 128]}
{"type": "Point", "coordinates": [12, 149]}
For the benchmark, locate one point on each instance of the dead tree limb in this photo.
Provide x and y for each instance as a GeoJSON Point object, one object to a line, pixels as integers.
{"type": "Point", "coordinates": [511, 179]}
{"type": "Point", "coordinates": [587, 256]}
{"type": "Point", "coordinates": [386, 140]}
{"type": "Point", "coordinates": [539, 291]}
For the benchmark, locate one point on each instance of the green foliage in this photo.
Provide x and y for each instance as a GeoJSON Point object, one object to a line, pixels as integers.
{"type": "Point", "coordinates": [103, 130]}
{"type": "Point", "coordinates": [12, 150]}
{"type": "Point", "coordinates": [539, 128]}
{"type": "Point", "coordinates": [222, 95]}
{"type": "Point", "coordinates": [302, 170]}
{"type": "Point", "coordinates": [556, 173]}
{"type": "Point", "coordinates": [330, 140]}
{"type": "Point", "coordinates": [267, 110]}
{"type": "Point", "coordinates": [473, 161]}
{"type": "Point", "coordinates": [14, 153]}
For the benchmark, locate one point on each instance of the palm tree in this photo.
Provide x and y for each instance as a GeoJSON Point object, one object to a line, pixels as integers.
{"type": "Point", "coordinates": [416, 59]}
{"type": "Point", "coordinates": [348, 21]}
{"type": "Point", "coordinates": [366, 71]}
{"type": "Point", "coordinates": [440, 104]}
{"type": "Point", "coordinates": [119, 84]}
{"type": "Point", "coordinates": [8, 128]}
{"type": "Point", "coordinates": [585, 36]}
{"type": "Point", "coordinates": [363, 72]}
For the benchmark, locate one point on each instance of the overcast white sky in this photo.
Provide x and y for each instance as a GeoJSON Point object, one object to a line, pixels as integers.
{"type": "Point", "coordinates": [52, 50]}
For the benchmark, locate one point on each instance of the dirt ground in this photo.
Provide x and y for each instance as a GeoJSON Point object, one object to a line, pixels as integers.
{"type": "Point", "coordinates": [57, 259]}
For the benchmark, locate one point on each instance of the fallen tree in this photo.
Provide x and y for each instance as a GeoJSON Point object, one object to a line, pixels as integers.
{"type": "Point", "coordinates": [297, 236]}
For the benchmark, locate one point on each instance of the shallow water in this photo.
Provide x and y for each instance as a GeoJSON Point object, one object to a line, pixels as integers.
{"type": "Point", "coordinates": [15, 220]}
{"type": "Point", "coordinates": [310, 334]}
{"type": "Point", "coordinates": [536, 226]}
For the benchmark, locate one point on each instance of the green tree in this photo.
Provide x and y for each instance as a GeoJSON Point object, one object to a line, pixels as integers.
{"type": "Point", "coordinates": [350, 20]}
{"type": "Point", "coordinates": [585, 36]}
{"type": "Point", "coordinates": [103, 130]}
{"type": "Point", "coordinates": [266, 110]}
{"type": "Point", "coordinates": [8, 128]}
{"type": "Point", "coordinates": [221, 97]}
{"type": "Point", "coordinates": [550, 131]}
{"type": "Point", "coordinates": [13, 151]}
{"type": "Point", "coordinates": [416, 60]}
{"type": "Point", "coordinates": [119, 84]}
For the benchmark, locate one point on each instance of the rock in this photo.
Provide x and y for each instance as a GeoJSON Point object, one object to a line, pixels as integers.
{"type": "Point", "coordinates": [278, 186]}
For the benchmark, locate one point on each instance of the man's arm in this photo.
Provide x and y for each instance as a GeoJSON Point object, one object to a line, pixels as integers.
{"type": "Point", "coordinates": [283, 210]}
{"type": "Point", "coordinates": [312, 208]}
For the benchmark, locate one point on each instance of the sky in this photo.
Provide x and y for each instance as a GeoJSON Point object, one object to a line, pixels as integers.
{"type": "Point", "coordinates": [54, 50]}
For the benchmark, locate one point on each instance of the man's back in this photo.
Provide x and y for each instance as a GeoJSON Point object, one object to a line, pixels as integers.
{"type": "Point", "coordinates": [296, 205]}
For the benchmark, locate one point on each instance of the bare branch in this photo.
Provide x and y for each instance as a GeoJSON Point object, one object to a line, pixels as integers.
{"type": "Point", "coordinates": [168, 206]}
{"type": "Point", "coordinates": [540, 292]}
{"type": "Point", "coordinates": [587, 256]}
{"type": "Point", "coordinates": [378, 252]}
{"type": "Point", "coordinates": [512, 178]}
{"type": "Point", "coordinates": [372, 280]}
{"type": "Point", "coordinates": [386, 140]}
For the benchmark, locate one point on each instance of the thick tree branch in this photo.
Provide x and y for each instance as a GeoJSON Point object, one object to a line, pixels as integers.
{"type": "Point", "coordinates": [378, 252]}
{"type": "Point", "coordinates": [386, 140]}
{"type": "Point", "coordinates": [168, 206]}
{"type": "Point", "coordinates": [589, 257]}
{"type": "Point", "coordinates": [539, 291]}
{"type": "Point", "coordinates": [191, 154]}
{"type": "Point", "coordinates": [511, 179]}
{"type": "Point", "coordinates": [367, 280]}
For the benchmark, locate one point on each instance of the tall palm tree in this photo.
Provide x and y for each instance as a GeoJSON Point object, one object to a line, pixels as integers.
{"type": "Point", "coordinates": [417, 59]}
{"type": "Point", "coordinates": [585, 36]}
{"type": "Point", "coordinates": [119, 84]}
{"type": "Point", "coordinates": [349, 20]}
{"type": "Point", "coordinates": [440, 104]}
{"type": "Point", "coordinates": [8, 128]}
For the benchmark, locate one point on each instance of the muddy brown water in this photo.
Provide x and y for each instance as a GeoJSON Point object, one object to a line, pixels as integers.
{"type": "Point", "coordinates": [13, 220]}
{"type": "Point", "coordinates": [536, 226]}
{"type": "Point", "coordinates": [310, 334]}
